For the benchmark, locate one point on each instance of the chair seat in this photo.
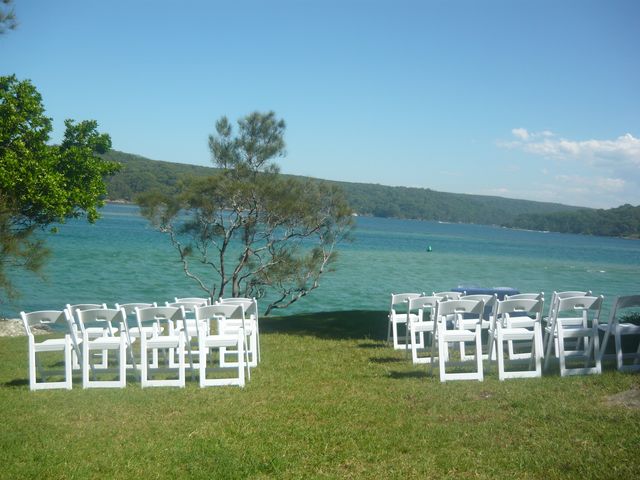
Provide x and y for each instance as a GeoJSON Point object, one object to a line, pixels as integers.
{"type": "Point", "coordinates": [471, 323]}
{"type": "Point", "coordinates": [220, 341]}
{"type": "Point", "coordinates": [460, 335]}
{"type": "Point", "coordinates": [105, 343]}
{"type": "Point", "coordinates": [94, 332]}
{"type": "Point", "coordinates": [148, 331]}
{"type": "Point", "coordinates": [517, 334]}
{"type": "Point", "coordinates": [623, 328]}
{"type": "Point", "coordinates": [423, 326]}
{"type": "Point", "coordinates": [575, 332]}
{"type": "Point", "coordinates": [167, 341]}
{"type": "Point", "coordinates": [51, 345]}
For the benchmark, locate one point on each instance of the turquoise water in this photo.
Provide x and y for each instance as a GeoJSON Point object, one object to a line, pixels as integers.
{"type": "Point", "coordinates": [122, 259]}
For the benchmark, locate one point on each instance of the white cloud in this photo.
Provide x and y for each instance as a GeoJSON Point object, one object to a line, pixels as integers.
{"type": "Point", "coordinates": [520, 133]}
{"type": "Point", "coordinates": [623, 151]}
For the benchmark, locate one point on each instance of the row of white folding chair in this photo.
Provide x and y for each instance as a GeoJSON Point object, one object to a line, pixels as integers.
{"type": "Point", "coordinates": [463, 320]}
{"type": "Point", "coordinates": [400, 316]}
{"type": "Point", "coordinates": [104, 338]}
{"type": "Point", "coordinates": [178, 329]}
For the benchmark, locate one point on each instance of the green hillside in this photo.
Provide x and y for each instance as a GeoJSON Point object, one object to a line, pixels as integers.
{"type": "Point", "coordinates": [141, 174]}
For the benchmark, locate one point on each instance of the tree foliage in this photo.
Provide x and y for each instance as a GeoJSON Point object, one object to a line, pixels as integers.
{"type": "Point", "coordinates": [251, 230]}
{"type": "Point", "coordinates": [41, 184]}
{"type": "Point", "coordinates": [8, 19]}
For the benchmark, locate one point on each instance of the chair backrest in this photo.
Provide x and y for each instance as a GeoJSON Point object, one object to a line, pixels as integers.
{"type": "Point", "coordinates": [201, 300]}
{"type": "Point", "coordinates": [168, 315]}
{"type": "Point", "coordinates": [557, 296]}
{"type": "Point", "coordinates": [444, 296]}
{"type": "Point", "coordinates": [130, 308]}
{"type": "Point", "coordinates": [218, 312]}
{"type": "Point", "coordinates": [250, 305]}
{"type": "Point", "coordinates": [579, 307]}
{"type": "Point", "coordinates": [189, 305]}
{"type": "Point", "coordinates": [399, 302]}
{"type": "Point", "coordinates": [44, 318]}
{"type": "Point", "coordinates": [519, 307]}
{"type": "Point", "coordinates": [102, 317]}
{"type": "Point", "coordinates": [418, 306]}
{"type": "Point", "coordinates": [525, 296]}
{"type": "Point", "coordinates": [627, 301]}
{"type": "Point", "coordinates": [82, 306]}
{"type": "Point", "coordinates": [466, 308]}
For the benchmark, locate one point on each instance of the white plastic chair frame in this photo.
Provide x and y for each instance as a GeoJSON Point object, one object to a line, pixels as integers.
{"type": "Point", "coordinates": [398, 316]}
{"type": "Point", "coordinates": [506, 315]}
{"type": "Point", "coordinates": [237, 319]}
{"type": "Point", "coordinates": [620, 329]}
{"type": "Point", "coordinates": [221, 341]}
{"type": "Point", "coordinates": [582, 326]}
{"type": "Point", "coordinates": [469, 324]}
{"type": "Point", "coordinates": [458, 308]}
{"type": "Point", "coordinates": [48, 317]}
{"type": "Point", "coordinates": [104, 344]}
{"type": "Point", "coordinates": [134, 331]}
{"type": "Point", "coordinates": [421, 321]}
{"type": "Point", "coordinates": [93, 332]}
{"type": "Point", "coordinates": [172, 341]}
{"type": "Point", "coordinates": [521, 321]}
{"type": "Point", "coordinates": [188, 324]}
{"type": "Point", "coordinates": [252, 323]}
{"type": "Point", "coordinates": [569, 321]}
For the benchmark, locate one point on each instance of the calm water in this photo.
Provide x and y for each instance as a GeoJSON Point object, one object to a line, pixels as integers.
{"type": "Point", "coordinates": [122, 259]}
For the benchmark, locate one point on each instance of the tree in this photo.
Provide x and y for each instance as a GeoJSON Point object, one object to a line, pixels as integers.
{"type": "Point", "coordinates": [247, 230]}
{"type": "Point", "coordinates": [7, 16]}
{"type": "Point", "coordinates": [42, 184]}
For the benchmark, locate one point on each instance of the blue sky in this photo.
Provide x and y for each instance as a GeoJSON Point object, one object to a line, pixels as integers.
{"type": "Point", "coordinates": [524, 99]}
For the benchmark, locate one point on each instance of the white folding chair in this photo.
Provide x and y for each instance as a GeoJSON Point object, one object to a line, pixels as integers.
{"type": "Point", "coordinates": [92, 331]}
{"type": "Point", "coordinates": [521, 321]}
{"type": "Point", "coordinates": [133, 331]}
{"type": "Point", "coordinates": [447, 334]}
{"type": "Point", "coordinates": [518, 320]}
{"type": "Point", "coordinates": [469, 323]}
{"type": "Point", "coordinates": [576, 318]}
{"type": "Point", "coordinates": [188, 325]}
{"type": "Point", "coordinates": [421, 320]}
{"type": "Point", "coordinates": [252, 324]}
{"type": "Point", "coordinates": [36, 370]}
{"type": "Point", "coordinates": [105, 317]}
{"type": "Point", "coordinates": [167, 340]}
{"type": "Point", "coordinates": [208, 342]}
{"type": "Point", "coordinates": [234, 320]}
{"type": "Point", "coordinates": [620, 327]}
{"type": "Point", "coordinates": [569, 321]}
{"type": "Point", "coordinates": [398, 316]}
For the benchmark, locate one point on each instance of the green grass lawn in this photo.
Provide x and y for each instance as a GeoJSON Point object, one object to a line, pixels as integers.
{"type": "Point", "coordinates": [329, 400]}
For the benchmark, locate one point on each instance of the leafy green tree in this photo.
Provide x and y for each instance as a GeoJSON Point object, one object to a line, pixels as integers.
{"type": "Point", "coordinates": [42, 184]}
{"type": "Point", "coordinates": [246, 230]}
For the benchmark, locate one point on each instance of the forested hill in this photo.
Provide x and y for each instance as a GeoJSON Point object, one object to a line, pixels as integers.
{"type": "Point", "coordinates": [623, 221]}
{"type": "Point", "coordinates": [140, 174]}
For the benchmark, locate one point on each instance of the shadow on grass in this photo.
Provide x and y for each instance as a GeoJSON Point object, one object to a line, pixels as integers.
{"type": "Point", "coordinates": [18, 382]}
{"type": "Point", "coordinates": [371, 325]}
{"type": "Point", "coordinates": [383, 360]}
{"type": "Point", "coordinates": [411, 374]}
